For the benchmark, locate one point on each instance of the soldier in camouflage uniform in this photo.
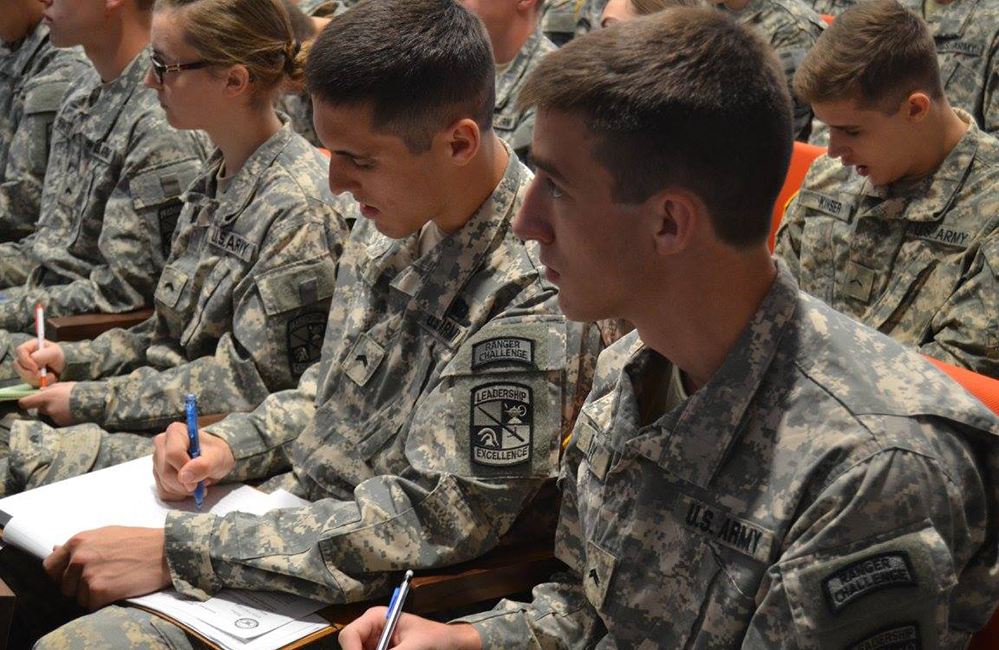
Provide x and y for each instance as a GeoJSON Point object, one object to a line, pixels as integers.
{"type": "Point", "coordinates": [901, 233]}
{"type": "Point", "coordinates": [791, 27]}
{"type": "Point", "coordinates": [563, 20]}
{"type": "Point", "coordinates": [831, 7]}
{"type": "Point", "coordinates": [437, 410]}
{"type": "Point", "coordinates": [242, 304]}
{"type": "Point", "coordinates": [518, 47]}
{"type": "Point", "coordinates": [112, 192]}
{"type": "Point", "coordinates": [966, 33]}
{"type": "Point", "coordinates": [811, 484]}
{"type": "Point", "coordinates": [34, 77]}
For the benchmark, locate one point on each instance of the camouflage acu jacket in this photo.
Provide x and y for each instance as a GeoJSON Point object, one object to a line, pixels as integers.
{"type": "Point", "coordinates": [563, 20]}
{"type": "Point", "coordinates": [827, 489]}
{"type": "Point", "coordinates": [791, 27]}
{"type": "Point", "coordinates": [919, 263]}
{"type": "Point", "coordinates": [34, 78]}
{"type": "Point", "coordinates": [109, 207]}
{"type": "Point", "coordinates": [435, 414]}
{"type": "Point", "coordinates": [241, 305]}
{"type": "Point", "coordinates": [514, 126]}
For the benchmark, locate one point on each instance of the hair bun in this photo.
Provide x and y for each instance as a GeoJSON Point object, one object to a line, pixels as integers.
{"type": "Point", "coordinates": [291, 54]}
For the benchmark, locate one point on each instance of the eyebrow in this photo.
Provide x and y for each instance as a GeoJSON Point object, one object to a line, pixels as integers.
{"type": "Point", "coordinates": [551, 169]}
{"type": "Point", "coordinates": [349, 154]}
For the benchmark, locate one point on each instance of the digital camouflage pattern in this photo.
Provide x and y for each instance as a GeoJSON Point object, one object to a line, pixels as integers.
{"type": "Point", "coordinates": [791, 27]}
{"type": "Point", "coordinates": [831, 7]}
{"type": "Point", "coordinates": [513, 125]}
{"type": "Point", "coordinates": [917, 262]}
{"type": "Point", "coordinates": [34, 78]}
{"type": "Point", "coordinates": [798, 500]}
{"type": "Point", "coordinates": [966, 33]}
{"type": "Point", "coordinates": [241, 312]}
{"type": "Point", "coordinates": [563, 20]}
{"type": "Point", "coordinates": [109, 206]}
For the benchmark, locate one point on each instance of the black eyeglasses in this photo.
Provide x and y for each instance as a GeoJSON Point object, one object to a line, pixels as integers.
{"type": "Point", "coordinates": [160, 68]}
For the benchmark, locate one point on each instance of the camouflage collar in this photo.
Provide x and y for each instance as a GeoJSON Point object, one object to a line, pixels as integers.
{"type": "Point", "coordinates": [28, 49]}
{"type": "Point", "coordinates": [435, 279]}
{"type": "Point", "coordinates": [107, 101]}
{"type": "Point", "coordinates": [243, 186]}
{"type": "Point", "coordinates": [506, 82]}
{"type": "Point", "coordinates": [933, 195]}
{"type": "Point", "coordinates": [951, 21]}
{"type": "Point", "coordinates": [710, 420]}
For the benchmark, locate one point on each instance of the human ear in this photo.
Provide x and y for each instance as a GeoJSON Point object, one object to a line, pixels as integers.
{"type": "Point", "coordinates": [463, 139]}
{"type": "Point", "coordinates": [237, 80]}
{"type": "Point", "coordinates": [677, 216]}
{"type": "Point", "coordinates": [917, 106]}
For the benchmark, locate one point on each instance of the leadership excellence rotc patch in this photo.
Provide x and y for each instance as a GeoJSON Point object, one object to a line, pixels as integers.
{"type": "Point", "coordinates": [305, 340]}
{"type": "Point", "coordinates": [502, 424]}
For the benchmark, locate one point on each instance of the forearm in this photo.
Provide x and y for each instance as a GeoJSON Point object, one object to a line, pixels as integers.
{"type": "Point", "coordinates": [113, 353]}
{"type": "Point", "coordinates": [16, 264]}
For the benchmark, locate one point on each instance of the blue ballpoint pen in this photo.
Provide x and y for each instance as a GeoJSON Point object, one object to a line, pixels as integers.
{"type": "Point", "coordinates": [193, 446]}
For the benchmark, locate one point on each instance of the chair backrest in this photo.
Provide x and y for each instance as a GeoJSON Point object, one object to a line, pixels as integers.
{"type": "Point", "coordinates": [801, 159]}
{"type": "Point", "coordinates": [826, 17]}
{"type": "Point", "coordinates": [985, 389]}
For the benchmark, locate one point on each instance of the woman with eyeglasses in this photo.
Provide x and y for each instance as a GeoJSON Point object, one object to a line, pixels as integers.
{"type": "Point", "coordinates": [242, 303]}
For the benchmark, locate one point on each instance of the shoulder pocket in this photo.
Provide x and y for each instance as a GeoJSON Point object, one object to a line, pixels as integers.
{"type": "Point", "coordinates": [44, 98]}
{"type": "Point", "coordinates": [294, 286]}
{"type": "Point", "coordinates": [843, 596]}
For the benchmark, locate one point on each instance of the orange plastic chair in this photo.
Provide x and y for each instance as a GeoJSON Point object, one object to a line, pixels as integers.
{"type": "Point", "coordinates": [827, 18]}
{"type": "Point", "coordinates": [986, 390]}
{"type": "Point", "coordinates": [801, 159]}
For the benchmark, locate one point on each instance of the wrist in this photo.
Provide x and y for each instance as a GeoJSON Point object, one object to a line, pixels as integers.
{"type": "Point", "coordinates": [466, 637]}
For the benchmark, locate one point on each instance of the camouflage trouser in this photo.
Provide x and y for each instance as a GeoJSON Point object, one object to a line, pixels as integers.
{"type": "Point", "coordinates": [39, 454]}
{"type": "Point", "coordinates": [120, 628]}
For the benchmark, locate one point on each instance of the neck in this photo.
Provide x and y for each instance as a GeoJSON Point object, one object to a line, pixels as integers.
{"type": "Point", "coordinates": [697, 334]}
{"type": "Point", "coordinates": [509, 38]}
{"type": "Point", "coordinates": [116, 47]}
{"type": "Point", "coordinates": [242, 133]}
{"type": "Point", "coordinates": [20, 20]}
{"type": "Point", "coordinates": [942, 130]}
{"type": "Point", "coordinates": [476, 182]}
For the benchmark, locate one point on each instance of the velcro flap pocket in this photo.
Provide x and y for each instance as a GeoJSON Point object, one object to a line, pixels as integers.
{"type": "Point", "coordinates": [836, 595]}
{"type": "Point", "coordinates": [44, 98]}
{"type": "Point", "coordinates": [170, 287]}
{"type": "Point", "coordinates": [157, 186]}
{"type": "Point", "coordinates": [297, 285]}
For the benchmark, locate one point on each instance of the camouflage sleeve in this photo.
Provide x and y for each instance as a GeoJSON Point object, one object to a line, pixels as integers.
{"type": "Point", "coordinates": [791, 44]}
{"type": "Point", "coordinates": [129, 240]}
{"type": "Point", "coordinates": [990, 93]}
{"type": "Point", "coordinates": [276, 333]}
{"type": "Point", "coordinates": [787, 245]}
{"type": "Point", "coordinates": [873, 559]}
{"type": "Point", "coordinates": [15, 265]}
{"type": "Point", "coordinates": [965, 330]}
{"type": "Point", "coordinates": [112, 353]}
{"type": "Point", "coordinates": [482, 440]}
{"type": "Point", "coordinates": [21, 189]}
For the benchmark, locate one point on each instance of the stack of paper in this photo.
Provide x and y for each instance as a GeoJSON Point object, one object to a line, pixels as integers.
{"type": "Point", "coordinates": [239, 620]}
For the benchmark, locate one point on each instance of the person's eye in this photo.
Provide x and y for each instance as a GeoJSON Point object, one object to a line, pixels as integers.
{"type": "Point", "coordinates": [362, 164]}
{"type": "Point", "coordinates": [553, 190]}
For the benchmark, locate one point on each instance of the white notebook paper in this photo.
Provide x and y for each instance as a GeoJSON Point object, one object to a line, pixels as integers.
{"type": "Point", "coordinates": [125, 495]}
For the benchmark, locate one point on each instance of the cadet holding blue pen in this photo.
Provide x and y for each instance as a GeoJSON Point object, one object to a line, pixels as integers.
{"type": "Point", "coordinates": [194, 447]}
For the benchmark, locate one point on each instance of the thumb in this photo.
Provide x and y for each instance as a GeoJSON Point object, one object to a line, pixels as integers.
{"type": "Point", "coordinates": [197, 469]}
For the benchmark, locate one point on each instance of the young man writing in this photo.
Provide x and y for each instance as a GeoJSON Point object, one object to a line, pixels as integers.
{"type": "Point", "coordinates": [752, 469]}
{"type": "Point", "coordinates": [447, 376]}
{"type": "Point", "coordinates": [897, 226]}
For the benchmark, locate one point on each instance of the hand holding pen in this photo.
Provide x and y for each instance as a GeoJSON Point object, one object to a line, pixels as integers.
{"type": "Point", "coordinates": [177, 474]}
{"type": "Point", "coordinates": [193, 444]}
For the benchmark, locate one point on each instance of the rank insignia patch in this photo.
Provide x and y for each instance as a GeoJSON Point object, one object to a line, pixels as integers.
{"type": "Point", "coordinates": [305, 340]}
{"type": "Point", "coordinates": [502, 424]}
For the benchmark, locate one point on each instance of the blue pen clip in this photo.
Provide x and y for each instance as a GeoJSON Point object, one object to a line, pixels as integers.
{"type": "Point", "coordinates": [193, 445]}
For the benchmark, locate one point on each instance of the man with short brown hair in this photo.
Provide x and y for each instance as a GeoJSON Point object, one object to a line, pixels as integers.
{"type": "Point", "coordinates": [901, 231]}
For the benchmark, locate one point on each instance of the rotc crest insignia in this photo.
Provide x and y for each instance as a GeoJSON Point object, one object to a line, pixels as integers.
{"type": "Point", "coordinates": [502, 424]}
{"type": "Point", "coordinates": [305, 340]}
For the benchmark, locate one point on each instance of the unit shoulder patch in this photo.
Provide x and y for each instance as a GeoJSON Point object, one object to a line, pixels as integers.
{"type": "Point", "coordinates": [512, 349]}
{"type": "Point", "coordinates": [305, 340]}
{"type": "Point", "coordinates": [502, 424]}
{"type": "Point", "coordinates": [899, 637]}
{"type": "Point", "coordinates": [866, 576]}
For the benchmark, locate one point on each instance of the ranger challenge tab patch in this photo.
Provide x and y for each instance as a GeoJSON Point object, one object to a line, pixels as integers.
{"type": "Point", "coordinates": [722, 527]}
{"type": "Point", "coordinates": [502, 424]}
{"type": "Point", "coordinates": [902, 637]}
{"type": "Point", "coordinates": [867, 576]}
{"type": "Point", "coordinates": [512, 349]}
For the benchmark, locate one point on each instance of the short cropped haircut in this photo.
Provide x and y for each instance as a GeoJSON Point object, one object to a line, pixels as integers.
{"type": "Point", "coordinates": [682, 98]}
{"type": "Point", "coordinates": [877, 53]}
{"type": "Point", "coordinates": [646, 7]}
{"type": "Point", "coordinates": [420, 64]}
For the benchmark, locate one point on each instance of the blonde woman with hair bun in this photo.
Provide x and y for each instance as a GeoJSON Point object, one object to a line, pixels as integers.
{"type": "Point", "coordinates": [241, 306]}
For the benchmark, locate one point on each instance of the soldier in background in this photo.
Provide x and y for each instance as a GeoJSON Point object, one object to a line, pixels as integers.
{"type": "Point", "coordinates": [752, 470]}
{"type": "Point", "coordinates": [966, 33]}
{"type": "Point", "coordinates": [34, 77]}
{"type": "Point", "coordinates": [518, 47]}
{"type": "Point", "coordinates": [898, 226]}
{"type": "Point", "coordinates": [242, 303]}
{"type": "Point", "coordinates": [562, 20]}
{"type": "Point", "coordinates": [115, 175]}
{"type": "Point", "coordinates": [437, 410]}
{"type": "Point", "coordinates": [791, 27]}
